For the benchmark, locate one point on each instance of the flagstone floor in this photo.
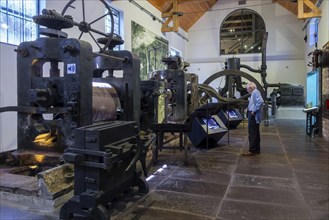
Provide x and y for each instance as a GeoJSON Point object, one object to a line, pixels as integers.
{"type": "Point", "coordinates": [288, 180]}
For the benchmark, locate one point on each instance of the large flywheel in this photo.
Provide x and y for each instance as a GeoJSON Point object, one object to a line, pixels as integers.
{"type": "Point", "coordinates": [233, 74]}
{"type": "Point", "coordinates": [229, 82]}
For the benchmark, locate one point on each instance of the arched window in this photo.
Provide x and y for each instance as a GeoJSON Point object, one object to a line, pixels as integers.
{"type": "Point", "coordinates": [242, 32]}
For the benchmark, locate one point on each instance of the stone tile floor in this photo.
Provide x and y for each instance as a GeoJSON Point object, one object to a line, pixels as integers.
{"type": "Point", "coordinates": [288, 180]}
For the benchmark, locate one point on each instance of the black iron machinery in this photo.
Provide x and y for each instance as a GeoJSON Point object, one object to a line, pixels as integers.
{"type": "Point", "coordinates": [118, 69]}
{"type": "Point", "coordinates": [52, 104]}
{"type": "Point", "coordinates": [233, 79]}
{"type": "Point", "coordinates": [54, 110]}
{"type": "Point", "coordinates": [230, 109]}
{"type": "Point", "coordinates": [176, 86]}
{"type": "Point", "coordinates": [104, 167]}
{"type": "Point", "coordinates": [292, 95]}
{"type": "Point", "coordinates": [153, 103]}
{"type": "Point", "coordinates": [192, 92]}
{"type": "Point", "coordinates": [233, 83]}
{"type": "Point", "coordinates": [176, 95]}
{"type": "Point", "coordinates": [105, 154]}
{"type": "Point", "coordinates": [127, 83]}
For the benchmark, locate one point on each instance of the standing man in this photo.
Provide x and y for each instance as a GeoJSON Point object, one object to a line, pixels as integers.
{"type": "Point", "coordinates": [254, 117]}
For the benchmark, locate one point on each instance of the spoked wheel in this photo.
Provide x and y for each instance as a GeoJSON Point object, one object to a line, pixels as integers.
{"type": "Point", "coordinates": [235, 76]}
{"type": "Point", "coordinates": [86, 27]}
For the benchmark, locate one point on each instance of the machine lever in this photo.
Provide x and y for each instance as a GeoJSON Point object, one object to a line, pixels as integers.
{"type": "Point", "coordinates": [33, 110]}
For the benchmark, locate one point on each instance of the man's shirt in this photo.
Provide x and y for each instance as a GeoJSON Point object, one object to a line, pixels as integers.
{"type": "Point", "coordinates": [255, 103]}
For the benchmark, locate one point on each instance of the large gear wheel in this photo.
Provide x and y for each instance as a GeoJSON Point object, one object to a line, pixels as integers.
{"type": "Point", "coordinates": [53, 20]}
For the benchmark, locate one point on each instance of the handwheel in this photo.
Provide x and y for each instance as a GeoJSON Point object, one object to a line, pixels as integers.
{"type": "Point", "coordinates": [85, 27]}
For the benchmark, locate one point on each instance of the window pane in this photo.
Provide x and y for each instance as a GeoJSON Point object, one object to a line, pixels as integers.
{"type": "Point", "coordinates": [116, 20]}
{"type": "Point", "coordinates": [16, 16]}
{"type": "Point", "coordinates": [3, 4]}
{"type": "Point", "coordinates": [11, 5]}
{"type": "Point", "coordinates": [4, 27]}
{"type": "Point", "coordinates": [11, 28]}
{"type": "Point", "coordinates": [30, 9]}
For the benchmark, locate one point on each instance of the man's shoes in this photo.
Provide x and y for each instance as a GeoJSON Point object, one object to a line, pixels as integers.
{"type": "Point", "coordinates": [250, 153]}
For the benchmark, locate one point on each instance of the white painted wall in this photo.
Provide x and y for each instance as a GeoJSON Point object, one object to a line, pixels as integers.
{"type": "Point", "coordinates": [8, 94]}
{"type": "Point", "coordinates": [285, 46]}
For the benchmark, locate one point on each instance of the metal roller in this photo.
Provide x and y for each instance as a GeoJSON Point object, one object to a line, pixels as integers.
{"type": "Point", "coordinates": [105, 102]}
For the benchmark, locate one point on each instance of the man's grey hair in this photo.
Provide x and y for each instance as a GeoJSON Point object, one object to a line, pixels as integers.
{"type": "Point", "coordinates": [251, 85]}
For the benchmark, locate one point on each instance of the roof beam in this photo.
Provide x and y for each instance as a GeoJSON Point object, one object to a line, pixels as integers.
{"type": "Point", "coordinates": [171, 14]}
{"type": "Point", "coordinates": [315, 11]}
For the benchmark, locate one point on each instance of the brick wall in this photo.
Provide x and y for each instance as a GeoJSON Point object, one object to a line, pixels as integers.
{"type": "Point", "coordinates": [325, 92]}
{"type": "Point", "coordinates": [325, 128]}
{"type": "Point", "coordinates": [325, 81]}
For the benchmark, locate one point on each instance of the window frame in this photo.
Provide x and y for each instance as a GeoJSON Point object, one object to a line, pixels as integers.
{"type": "Point", "coordinates": [313, 32]}
{"type": "Point", "coordinates": [117, 30]}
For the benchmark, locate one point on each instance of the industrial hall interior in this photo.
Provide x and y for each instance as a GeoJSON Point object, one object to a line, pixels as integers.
{"type": "Point", "coordinates": [164, 110]}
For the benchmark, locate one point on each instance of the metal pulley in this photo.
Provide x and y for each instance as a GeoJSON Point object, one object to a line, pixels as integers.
{"type": "Point", "coordinates": [112, 42]}
{"type": "Point", "coordinates": [54, 23]}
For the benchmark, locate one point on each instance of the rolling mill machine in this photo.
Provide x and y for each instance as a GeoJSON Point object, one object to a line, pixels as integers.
{"type": "Point", "coordinates": [90, 119]}
{"type": "Point", "coordinates": [175, 107]}
{"type": "Point", "coordinates": [165, 102]}
{"type": "Point", "coordinates": [105, 159]}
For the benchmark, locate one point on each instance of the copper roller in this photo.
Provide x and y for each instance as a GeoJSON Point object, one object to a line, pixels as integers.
{"type": "Point", "coordinates": [105, 102]}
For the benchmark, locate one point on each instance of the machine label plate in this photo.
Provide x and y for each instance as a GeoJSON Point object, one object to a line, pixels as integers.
{"type": "Point", "coordinates": [71, 69]}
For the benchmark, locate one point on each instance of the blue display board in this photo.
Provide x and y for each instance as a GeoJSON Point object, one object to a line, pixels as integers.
{"type": "Point", "coordinates": [312, 85]}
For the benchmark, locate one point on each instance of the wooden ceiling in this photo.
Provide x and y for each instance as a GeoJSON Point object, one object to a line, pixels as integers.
{"type": "Point", "coordinates": [193, 10]}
